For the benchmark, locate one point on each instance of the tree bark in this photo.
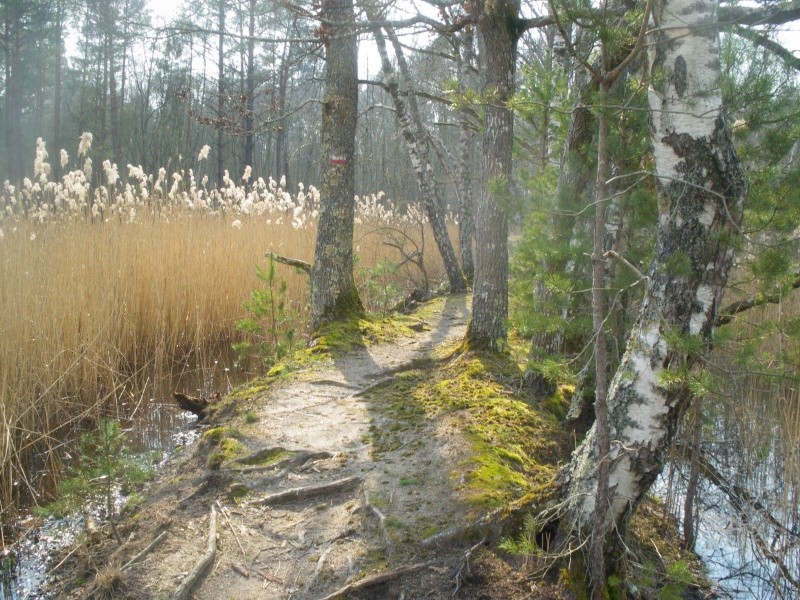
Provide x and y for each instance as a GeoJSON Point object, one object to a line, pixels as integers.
{"type": "Point", "coordinates": [59, 58]}
{"type": "Point", "coordinates": [417, 145]}
{"type": "Point", "coordinates": [597, 547]}
{"type": "Point", "coordinates": [702, 190]}
{"type": "Point", "coordinates": [220, 94]}
{"type": "Point", "coordinates": [333, 292]}
{"type": "Point", "coordinates": [466, 140]}
{"type": "Point", "coordinates": [249, 141]}
{"type": "Point", "coordinates": [488, 329]}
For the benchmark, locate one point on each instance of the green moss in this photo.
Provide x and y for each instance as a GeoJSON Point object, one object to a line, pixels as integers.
{"type": "Point", "coordinates": [514, 445]}
{"type": "Point", "coordinates": [252, 389]}
{"type": "Point", "coordinates": [558, 404]}
{"type": "Point", "coordinates": [267, 457]}
{"type": "Point", "coordinates": [218, 434]}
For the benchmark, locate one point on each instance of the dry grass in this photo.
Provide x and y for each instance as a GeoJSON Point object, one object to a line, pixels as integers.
{"type": "Point", "coordinates": [98, 289]}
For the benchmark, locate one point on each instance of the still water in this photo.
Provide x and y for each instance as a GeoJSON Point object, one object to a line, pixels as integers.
{"type": "Point", "coordinates": [154, 426]}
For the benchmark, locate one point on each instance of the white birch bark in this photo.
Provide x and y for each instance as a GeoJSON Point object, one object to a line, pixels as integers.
{"type": "Point", "coordinates": [702, 189]}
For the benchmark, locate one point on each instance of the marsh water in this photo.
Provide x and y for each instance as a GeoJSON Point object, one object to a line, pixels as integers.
{"type": "Point", "coordinates": [154, 427]}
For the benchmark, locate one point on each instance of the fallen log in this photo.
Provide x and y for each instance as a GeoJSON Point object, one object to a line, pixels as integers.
{"type": "Point", "coordinates": [197, 406]}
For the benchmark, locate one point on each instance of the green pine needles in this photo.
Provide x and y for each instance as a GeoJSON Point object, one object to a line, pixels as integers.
{"type": "Point", "coordinates": [271, 325]}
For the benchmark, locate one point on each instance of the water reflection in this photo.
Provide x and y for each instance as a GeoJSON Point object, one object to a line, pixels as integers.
{"type": "Point", "coordinates": [153, 425]}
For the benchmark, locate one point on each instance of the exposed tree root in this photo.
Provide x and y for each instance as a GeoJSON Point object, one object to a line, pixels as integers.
{"type": "Point", "coordinates": [204, 564]}
{"type": "Point", "coordinates": [489, 528]}
{"type": "Point", "coordinates": [371, 508]}
{"type": "Point", "coordinates": [374, 580]}
{"type": "Point", "coordinates": [298, 459]}
{"type": "Point", "coordinates": [320, 564]}
{"type": "Point", "coordinates": [464, 564]}
{"type": "Point", "coordinates": [310, 491]}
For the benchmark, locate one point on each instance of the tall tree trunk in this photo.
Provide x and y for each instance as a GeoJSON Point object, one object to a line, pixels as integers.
{"type": "Point", "coordinates": [694, 474]}
{"type": "Point", "coordinates": [333, 292]}
{"type": "Point", "coordinates": [466, 157]}
{"type": "Point", "coordinates": [488, 329]}
{"type": "Point", "coordinates": [59, 57]}
{"type": "Point", "coordinates": [249, 141]}
{"type": "Point", "coordinates": [220, 94]}
{"type": "Point", "coordinates": [281, 149]}
{"type": "Point", "coordinates": [597, 562]}
{"type": "Point", "coordinates": [419, 152]}
{"type": "Point", "coordinates": [702, 189]}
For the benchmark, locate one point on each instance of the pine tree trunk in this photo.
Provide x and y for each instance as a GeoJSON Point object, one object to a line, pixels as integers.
{"type": "Point", "coordinates": [702, 188]}
{"type": "Point", "coordinates": [464, 180]}
{"type": "Point", "coordinates": [59, 57]}
{"type": "Point", "coordinates": [249, 142]}
{"type": "Point", "coordinates": [333, 292]}
{"type": "Point", "coordinates": [488, 329]}
{"type": "Point", "coordinates": [220, 95]}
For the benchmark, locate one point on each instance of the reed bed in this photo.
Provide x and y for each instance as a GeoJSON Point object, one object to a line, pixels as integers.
{"type": "Point", "coordinates": [113, 279]}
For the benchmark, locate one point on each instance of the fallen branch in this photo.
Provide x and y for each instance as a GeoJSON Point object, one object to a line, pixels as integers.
{"type": "Point", "coordinates": [204, 564]}
{"type": "Point", "coordinates": [150, 547]}
{"type": "Point", "coordinates": [374, 580]}
{"type": "Point", "coordinates": [308, 491]}
{"type": "Point", "coordinates": [292, 262]}
{"type": "Point", "coordinates": [240, 570]}
{"type": "Point", "coordinates": [269, 577]}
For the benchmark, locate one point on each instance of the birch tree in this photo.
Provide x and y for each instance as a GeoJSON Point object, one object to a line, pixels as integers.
{"type": "Point", "coordinates": [416, 139]}
{"type": "Point", "coordinates": [702, 190]}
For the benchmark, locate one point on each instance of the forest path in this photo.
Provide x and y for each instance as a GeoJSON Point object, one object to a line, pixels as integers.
{"type": "Point", "coordinates": [328, 500]}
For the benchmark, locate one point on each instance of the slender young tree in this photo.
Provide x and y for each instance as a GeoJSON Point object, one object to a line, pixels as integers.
{"type": "Point", "coordinates": [334, 295]}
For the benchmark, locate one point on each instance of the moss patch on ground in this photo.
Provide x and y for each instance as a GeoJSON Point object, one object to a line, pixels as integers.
{"type": "Point", "coordinates": [515, 442]}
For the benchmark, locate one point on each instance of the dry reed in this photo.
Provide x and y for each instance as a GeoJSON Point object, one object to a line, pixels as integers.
{"type": "Point", "coordinates": [103, 283]}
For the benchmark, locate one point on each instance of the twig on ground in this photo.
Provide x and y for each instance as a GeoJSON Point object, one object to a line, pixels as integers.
{"type": "Point", "coordinates": [240, 570]}
{"type": "Point", "coordinates": [464, 563]}
{"type": "Point", "coordinates": [320, 564]}
{"type": "Point", "coordinates": [369, 507]}
{"type": "Point", "coordinates": [150, 547]}
{"type": "Point", "coordinates": [204, 564]}
{"type": "Point", "coordinates": [224, 512]}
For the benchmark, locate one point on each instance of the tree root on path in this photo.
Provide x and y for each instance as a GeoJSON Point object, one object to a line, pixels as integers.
{"type": "Point", "coordinates": [310, 491]}
{"type": "Point", "coordinates": [378, 579]}
{"type": "Point", "coordinates": [204, 564]}
{"type": "Point", "coordinates": [371, 508]}
{"type": "Point", "coordinates": [286, 464]}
